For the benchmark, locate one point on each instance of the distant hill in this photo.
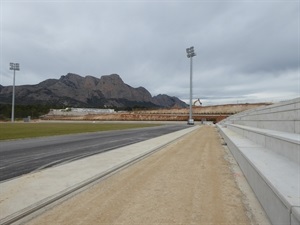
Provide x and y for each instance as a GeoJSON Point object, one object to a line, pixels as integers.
{"type": "Point", "coordinates": [73, 90]}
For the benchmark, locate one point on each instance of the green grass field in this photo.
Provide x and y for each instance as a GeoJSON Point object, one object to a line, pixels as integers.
{"type": "Point", "coordinates": [10, 131]}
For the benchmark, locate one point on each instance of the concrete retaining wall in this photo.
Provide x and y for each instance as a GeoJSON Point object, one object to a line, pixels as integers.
{"type": "Point", "coordinates": [266, 144]}
{"type": "Point", "coordinates": [79, 111]}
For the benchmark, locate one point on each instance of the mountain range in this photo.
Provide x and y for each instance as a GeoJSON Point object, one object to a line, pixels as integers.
{"type": "Point", "coordinates": [73, 90]}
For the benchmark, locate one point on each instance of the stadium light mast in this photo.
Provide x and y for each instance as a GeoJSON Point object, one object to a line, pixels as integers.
{"type": "Point", "coordinates": [190, 54]}
{"type": "Point", "coordinates": [14, 67]}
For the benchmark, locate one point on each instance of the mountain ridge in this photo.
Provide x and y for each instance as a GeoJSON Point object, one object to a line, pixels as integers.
{"type": "Point", "coordinates": [77, 91]}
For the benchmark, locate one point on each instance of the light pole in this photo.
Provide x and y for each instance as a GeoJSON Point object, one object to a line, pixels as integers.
{"type": "Point", "coordinates": [14, 67]}
{"type": "Point", "coordinates": [190, 54]}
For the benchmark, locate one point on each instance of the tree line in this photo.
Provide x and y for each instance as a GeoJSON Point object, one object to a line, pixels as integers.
{"type": "Point", "coordinates": [37, 110]}
{"type": "Point", "coordinates": [22, 111]}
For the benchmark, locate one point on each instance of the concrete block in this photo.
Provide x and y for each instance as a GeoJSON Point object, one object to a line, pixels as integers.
{"type": "Point", "coordinates": [266, 144]}
{"type": "Point", "coordinates": [255, 137]}
{"type": "Point", "coordinates": [283, 143]}
{"type": "Point", "coordinates": [285, 117]}
{"type": "Point", "coordinates": [297, 105]}
{"type": "Point", "coordinates": [278, 115]}
{"type": "Point", "coordinates": [284, 148]}
{"type": "Point", "coordinates": [282, 125]}
{"type": "Point", "coordinates": [297, 127]}
{"type": "Point", "coordinates": [277, 212]}
{"type": "Point", "coordinates": [236, 129]}
{"type": "Point", "coordinates": [273, 178]}
{"type": "Point", "coordinates": [295, 216]}
{"type": "Point", "coordinates": [289, 106]}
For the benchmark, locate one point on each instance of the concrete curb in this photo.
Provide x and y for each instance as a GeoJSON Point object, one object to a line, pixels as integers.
{"type": "Point", "coordinates": [27, 209]}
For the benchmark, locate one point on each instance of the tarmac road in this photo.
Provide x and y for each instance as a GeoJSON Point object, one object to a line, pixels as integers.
{"type": "Point", "coordinates": [24, 156]}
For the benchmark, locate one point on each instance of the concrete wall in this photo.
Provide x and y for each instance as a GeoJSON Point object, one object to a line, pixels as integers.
{"type": "Point", "coordinates": [79, 111]}
{"type": "Point", "coordinates": [266, 144]}
{"type": "Point", "coordinates": [283, 116]}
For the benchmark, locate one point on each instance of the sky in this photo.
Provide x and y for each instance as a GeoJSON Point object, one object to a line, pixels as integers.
{"type": "Point", "coordinates": [246, 50]}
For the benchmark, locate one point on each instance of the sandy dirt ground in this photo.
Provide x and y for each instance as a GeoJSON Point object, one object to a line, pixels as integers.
{"type": "Point", "coordinates": [189, 182]}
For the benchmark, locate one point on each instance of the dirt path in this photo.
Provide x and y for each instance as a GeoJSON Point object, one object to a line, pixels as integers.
{"type": "Point", "coordinates": [188, 182]}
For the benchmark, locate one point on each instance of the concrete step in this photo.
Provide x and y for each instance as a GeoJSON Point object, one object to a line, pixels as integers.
{"type": "Point", "coordinates": [284, 116]}
{"type": "Point", "coordinates": [273, 177]}
{"type": "Point", "coordinates": [283, 143]}
{"type": "Point", "coordinates": [266, 143]}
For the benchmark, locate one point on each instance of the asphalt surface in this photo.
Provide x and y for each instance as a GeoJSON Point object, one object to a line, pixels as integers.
{"type": "Point", "coordinates": [24, 156]}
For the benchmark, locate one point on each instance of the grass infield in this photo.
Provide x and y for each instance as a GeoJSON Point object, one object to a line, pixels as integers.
{"type": "Point", "coordinates": [10, 131]}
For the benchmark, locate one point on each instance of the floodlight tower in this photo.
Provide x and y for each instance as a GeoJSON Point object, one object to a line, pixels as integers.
{"type": "Point", "coordinates": [190, 54]}
{"type": "Point", "coordinates": [14, 67]}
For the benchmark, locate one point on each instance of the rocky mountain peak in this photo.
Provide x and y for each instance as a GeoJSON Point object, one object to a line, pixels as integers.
{"type": "Point", "coordinates": [90, 82]}
{"type": "Point", "coordinates": [112, 86]}
{"type": "Point", "coordinates": [111, 80]}
{"type": "Point", "coordinates": [77, 91]}
{"type": "Point", "coordinates": [71, 77]}
{"type": "Point", "coordinates": [72, 80]}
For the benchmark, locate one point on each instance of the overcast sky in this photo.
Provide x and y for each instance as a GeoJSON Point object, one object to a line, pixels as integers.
{"type": "Point", "coordinates": [247, 51]}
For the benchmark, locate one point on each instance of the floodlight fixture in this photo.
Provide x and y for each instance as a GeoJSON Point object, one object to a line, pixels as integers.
{"type": "Point", "coordinates": [14, 66]}
{"type": "Point", "coordinates": [190, 52]}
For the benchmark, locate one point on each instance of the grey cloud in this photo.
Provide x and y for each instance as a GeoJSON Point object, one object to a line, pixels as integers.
{"type": "Point", "coordinates": [238, 44]}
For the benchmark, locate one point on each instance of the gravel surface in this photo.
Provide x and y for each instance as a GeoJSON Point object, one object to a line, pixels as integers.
{"type": "Point", "coordinates": [189, 182]}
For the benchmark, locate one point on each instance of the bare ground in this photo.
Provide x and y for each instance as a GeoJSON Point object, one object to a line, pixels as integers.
{"type": "Point", "coordinates": [188, 182]}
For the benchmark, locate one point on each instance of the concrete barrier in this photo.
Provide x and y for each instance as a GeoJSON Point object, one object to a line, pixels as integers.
{"type": "Point", "coordinates": [266, 144]}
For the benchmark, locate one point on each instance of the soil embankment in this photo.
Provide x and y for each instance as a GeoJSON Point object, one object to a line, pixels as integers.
{"type": "Point", "coordinates": [214, 113]}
